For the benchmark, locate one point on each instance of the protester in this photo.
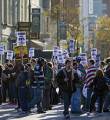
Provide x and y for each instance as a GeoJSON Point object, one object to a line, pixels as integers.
{"type": "Point", "coordinates": [23, 89]}
{"type": "Point", "coordinates": [5, 84]}
{"type": "Point", "coordinates": [0, 85]}
{"type": "Point", "coordinates": [76, 96]}
{"type": "Point", "coordinates": [102, 66]}
{"type": "Point", "coordinates": [100, 86]}
{"type": "Point", "coordinates": [38, 85]}
{"type": "Point", "coordinates": [89, 81]}
{"type": "Point", "coordinates": [46, 91]}
{"type": "Point", "coordinates": [68, 85]}
{"type": "Point", "coordinates": [12, 87]}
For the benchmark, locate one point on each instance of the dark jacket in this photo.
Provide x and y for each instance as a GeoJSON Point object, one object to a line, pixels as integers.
{"type": "Point", "coordinates": [69, 86]}
{"type": "Point", "coordinates": [21, 79]}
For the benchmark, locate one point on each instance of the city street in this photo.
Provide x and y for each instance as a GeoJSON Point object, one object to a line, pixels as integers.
{"type": "Point", "coordinates": [9, 113]}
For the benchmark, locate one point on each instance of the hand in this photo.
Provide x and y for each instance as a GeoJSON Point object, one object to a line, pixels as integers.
{"type": "Point", "coordinates": [45, 78]}
{"type": "Point", "coordinates": [65, 79]}
{"type": "Point", "coordinates": [8, 76]}
{"type": "Point", "coordinates": [13, 74]}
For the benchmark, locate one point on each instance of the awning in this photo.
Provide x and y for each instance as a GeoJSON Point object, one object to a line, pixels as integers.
{"type": "Point", "coordinates": [38, 45]}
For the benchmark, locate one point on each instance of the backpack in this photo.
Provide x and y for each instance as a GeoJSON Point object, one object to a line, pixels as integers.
{"type": "Point", "coordinates": [48, 75]}
{"type": "Point", "coordinates": [101, 85]}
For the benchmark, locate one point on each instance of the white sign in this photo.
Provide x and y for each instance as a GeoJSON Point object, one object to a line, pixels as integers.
{"type": "Point", "coordinates": [93, 53]}
{"type": "Point", "coordinates": [72, 46]}
{"type": "Point", "coordinates": [83, 57]}
{"type": "Point", "coordinates": [31, 52]}
{"type": "Point", "coordinates": [9, 55]}
{"type": "Point", "coordinates": [1, 50]}
{"type": "Point", "coordinates": [60, 57]}
{"type": "Point", "coordinates": [97, 60]}
{"type": "Point", "coordinates": [55, 50]}
{"type": "Point", "coordinates": [90, 6]}
{"type": "Point", "coordinates": [21, 38]}
{"type": "Point", "coordinates": [65, 55]}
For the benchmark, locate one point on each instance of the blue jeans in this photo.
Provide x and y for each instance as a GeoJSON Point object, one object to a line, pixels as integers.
{"type": "Point", "coordinates": [12, 90]}
{"type": "Point", "coordinates": [31, 94]}
{"type": "Point", "coordinates": [89, 93]}
{"type": "Point", "coordinates": [76, 100]}
{"type": "Point", "coordinates": [38, 93]}
{"type": "Point", "coordinates": [67, 102]}
{"type": "Point", "coordinates": [107, 101]}
{"type": "Point", "coordinates": [23, 98]}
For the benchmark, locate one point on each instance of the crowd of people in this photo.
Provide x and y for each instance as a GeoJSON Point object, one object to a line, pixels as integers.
{"type": "Point", "coordinates": [35, 83]}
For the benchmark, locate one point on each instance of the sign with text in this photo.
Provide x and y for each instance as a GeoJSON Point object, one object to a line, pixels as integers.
{"type": "Point", "coordinates": [2, 50]}
{"type": "Point", "coordinates": [21, 38]}
{"type": "Point", "coordinates": [9, 55]}
{"type": "Point", "coordinates": [31, 52]}
{"type": "Point", "coordinates": [97, 60]}
{"type": "Point", "coordinates": [90, 6]}
{"type": "Point", "coordinates": [60, 57]}
{"type": "Point", "coordinates": [55, 50]}
{"type": "Point", "coordinates": [83, 57]}
{"type": "Point", "coordinates": [72, 46]}
{"type": "Point", "coordinates": [93, 53]}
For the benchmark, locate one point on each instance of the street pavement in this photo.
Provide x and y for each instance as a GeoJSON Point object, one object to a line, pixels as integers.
{"type": "Point", "coordinates": [8, 112]}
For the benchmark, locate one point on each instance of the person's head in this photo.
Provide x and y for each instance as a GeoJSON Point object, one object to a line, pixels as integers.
{"type": "Point", "coordinates": [6, 66]}
{"type": "Point", "coordinates": [100, 73]}
{"type": "Point", "coordinates": [91, 62]}
{"type": "Point", "coordinates": [107, 61]}
{"type": "Point", "coordinates": [29, 66]}
{"type": "Point", "coordinates": [41, 61]}
{"type": "Point", "coordinates": [68, 64]}
{"type": "Point", "coordinates": [78, 60]}
{"type": "Point", "coordinates": [50, 64]}
{"type": "Point", "coordinates": [33, 62]}
{"type": "Point", "coordinates": [10, 66]}
{"type": "Point", "coordinates": [102, 64]}
{"type": "Point", "coordinates": [22, 68]}
{"type": "Point", "coordinates": [13, 62]}
{"type": "Point", "coordinates": [75, 65]}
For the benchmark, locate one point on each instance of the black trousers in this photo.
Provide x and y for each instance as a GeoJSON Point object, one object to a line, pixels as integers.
{"type": "Point", "coordinates": [5, 87]}
{"type": "Point", "coordinates": [93, 100]}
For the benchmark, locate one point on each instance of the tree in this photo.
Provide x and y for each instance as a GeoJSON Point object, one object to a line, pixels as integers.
{"type": "Point", "coordinates": [102, 33]}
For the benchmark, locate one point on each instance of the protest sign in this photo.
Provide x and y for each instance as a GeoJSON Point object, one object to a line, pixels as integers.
{"type": "Point", "coordinates": [55, 50]}
{"type": "Point", "coordinates": [97, 60]}
{"type": "Point", "coordinates": [31, 52]}
{"type": "Point", "coordinates": [71, 46]}
{"type": "Point", "coordinates": [93, 53]}
{"type": "Point", "coordinates": [83, 57]}
{"type": "Point", "coordinates": [9, 55]}
{"type": "Point", "coordinates": [21, 38]}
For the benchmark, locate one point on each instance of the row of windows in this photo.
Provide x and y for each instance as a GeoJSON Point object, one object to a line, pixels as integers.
{"type": "Point", "coordinates": [14, 11]}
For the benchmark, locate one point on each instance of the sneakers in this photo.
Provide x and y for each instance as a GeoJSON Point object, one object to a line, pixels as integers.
{"type": "Point", "coordinates": [67, 116]}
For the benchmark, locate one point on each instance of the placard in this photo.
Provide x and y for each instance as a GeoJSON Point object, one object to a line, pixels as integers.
{"type": "Point", "coordinates": [55, 50]}
{"type": "Point", "coordinates": [21, 38]}
{"type": "Point", "coordinates": [9, 55]}
{"type": "Point", "coordinates": [60, 57]}
{"type": "Point", "coordinates": [97, 60]}
{"type": "Point", "coordinates": [72, 46]}
{"type": "Point", "coordinates": [1, 50]}
{"type": "Point", "coordinates": [93, 53]}
{"type": "Point", "coordinates": [83, 57]}
{"type": "Point", "coordinates": [31, 52]}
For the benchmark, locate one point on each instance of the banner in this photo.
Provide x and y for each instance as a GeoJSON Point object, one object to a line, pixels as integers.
{"type": "Point", "coordinates": [2, 50]}
{"type": "Point", "coordinates": [72, 46]}
{"type": "Point", "coordinates": [18, 52]}
{"type": "Point", "coordinates": [97, 60]}
{"type": "Point", "coordinates": [21, 38]}
{"type": "Point", "coordinates": [83, 57]}
{"type": "Point", "coordinates": [31, 52]}
{"type": "Point", "coordinates": [35, 20]}
{"type": "Point", "coordinates": [55, 50]}
{"type": "Point", "coordinates": [63, 30]}
{"type": "Point", "coordinates": [93, 53]}
{"type": "Point", "coordinates": [9, 55]}
{"type": "Point", "coordinates": [60, 57]}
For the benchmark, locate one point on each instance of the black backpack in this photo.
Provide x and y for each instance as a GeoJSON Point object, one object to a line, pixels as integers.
{"type": "Point", "coordinates": [101, 85]}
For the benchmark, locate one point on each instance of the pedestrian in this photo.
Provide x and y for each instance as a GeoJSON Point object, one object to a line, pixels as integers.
{"type": "Point", "coordinates": [68, 85]}
{"type": "Point", "coordinates": [102, 66]}
{"type": "Point", "coordinates": [46, 91]}
{"type": "Point", "coordinates": [100, 86]}
{"type": "Point", "coordinates": [0, 85]}
{"type": "Point", "coordinates": [89, 81]}
{"type": "Point", "coordinates": [38, 85]}
{"type": "Point", "coordinates": [23, 83]}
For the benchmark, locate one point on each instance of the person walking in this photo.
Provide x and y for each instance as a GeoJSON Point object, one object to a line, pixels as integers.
{"type": "Point", "coordinates": [38, 85]}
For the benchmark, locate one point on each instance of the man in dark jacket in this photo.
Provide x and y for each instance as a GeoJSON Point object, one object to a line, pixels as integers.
{"type": "Point", "coordinates": [65, 80]}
